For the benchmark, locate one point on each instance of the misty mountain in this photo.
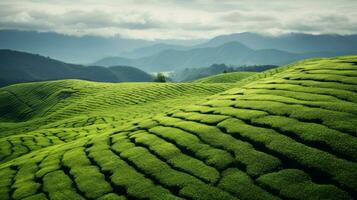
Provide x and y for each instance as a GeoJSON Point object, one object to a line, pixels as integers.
{"type": "Point", "coordinates": [293, 42]}
{"type": "Point", "coordinates": [73, 49]}
{"type": "Point", "coordinates": [167, 55]}
{"type": "Point", "coordinates": [112, 61]}
{"type": "Point", "coordinates": [83, 49]}
{"type": "Point", "coordinates": [233, 53]}
{"type": "Point", "coordinates": [18, 67]}
{"type": "Point", "coordinates": [153, 49]}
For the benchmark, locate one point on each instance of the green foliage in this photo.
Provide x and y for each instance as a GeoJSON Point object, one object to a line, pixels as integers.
{"type": "Point", "coordinates": [342, 144]}
{"type": "Point", "coordinates": [339, 170]}
{"type": "Point", "coordinates": [39, 196]}
{"type": "Point", "coordinates": [112, 196]}
{"type": "Point", "coordinates": [59, 186]}
{"type": "Point", "coordinates": [160, 77]}
{"type": "Point", "coordinates": [293, 183]}
{"type": "Point", "coordinates": [90, 181]}
{"type": "Point", "coordinates": [240, 184]}
{"type": "Point", "coordinates": [256, 162]}
{"type": "Point", "coordinates": [175, 158]}
{"type": "Point", "coordinates": [189, 186]}
{"type": "Point", "coordinates": [212, 156]}
{"type": "Point", "coordinates": [25, 184]}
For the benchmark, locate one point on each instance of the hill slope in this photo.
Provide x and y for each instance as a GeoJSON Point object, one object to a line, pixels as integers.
{"type": "Point", "coordinates": [231, 77]}
{"type": "Point", "coordinates": [288, 133]}
{"type": "Point", "coordinates": [191, 74]}
{"type": "Point", "coordinates": [18, 67]}
{"type": "Point", "coordinates": [50, 103]}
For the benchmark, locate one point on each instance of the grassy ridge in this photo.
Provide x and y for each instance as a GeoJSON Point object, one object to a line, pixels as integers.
{"type": "Point", "coordinates": [36, 115]}
{"type": "Point", "coordinates": [288, 133]}
{"type": "Point", "coordinates": [231, 77]}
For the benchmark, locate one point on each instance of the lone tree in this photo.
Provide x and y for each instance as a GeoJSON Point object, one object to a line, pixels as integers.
{"type": "Point", "coordinates": [160, 77]}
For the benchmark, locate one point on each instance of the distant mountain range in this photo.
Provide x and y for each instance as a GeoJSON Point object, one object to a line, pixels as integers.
{"type": "Point", "coordinates": [18, 67]}
{"type": "Point", "coordinates": [168, 55]}
{"type": "Point", "coordinates": [73, 49]}
{"type": "Point", "coordinates": [231, 53]}
{"type": "Point", "coordinates": [293, 42]}
{"type": "Point", "coordinates": [153, 49]}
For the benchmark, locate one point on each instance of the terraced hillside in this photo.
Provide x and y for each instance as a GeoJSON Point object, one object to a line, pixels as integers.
{"type": "Point", "coordinates": [231, 77]}
{"type": "Point", "coordinates": [288, 133]}
{"type": "Point", "coordinates": [36, 115]}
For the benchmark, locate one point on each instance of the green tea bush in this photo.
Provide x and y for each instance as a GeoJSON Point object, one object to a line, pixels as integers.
{"type": "Point", "coordinates": [39, 196]}
{"type": "Point", "coordinates": [214, 157]}
{"type": "Point", "coordinates": [176, 158]}
{"type": "Point", "coordinates": [344, 122]}
{"type": "Point", "coordinates": [240, 184]}
{"type": "Point", "coordinates": [6, 175]}
{"type": "Point", "coordinates": [295, 184]}
{"type": "Point", "coordinates": [339, 170]}
{"type": "Point", "coordinates": [59, 186]}
{"type": "Point", "coordinates": [168, 177]}
{"type": "Point", "coordinates": [312, 133]}
{"type": "Point", "coordinates": [243, 152]}
{"type": "Point", "coordinates": [90, 181]}
{"type": "Point", "coordinates": [112, 196]}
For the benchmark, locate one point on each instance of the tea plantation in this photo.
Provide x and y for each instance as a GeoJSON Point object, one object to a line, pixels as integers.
{"type": "Point", "coordinates": [231, 77]}
{"type": "Point", "coordinates": [287, 133]}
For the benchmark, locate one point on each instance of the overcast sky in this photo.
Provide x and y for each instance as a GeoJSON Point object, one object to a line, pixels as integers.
{"type": "Point", "coordinates": [179, 19]}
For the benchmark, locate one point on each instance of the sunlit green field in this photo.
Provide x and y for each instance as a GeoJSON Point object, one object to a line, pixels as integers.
{"type": "Point", "coordinates": [287, 133]}
{"type": "Point", "coordinates": [226, 77]}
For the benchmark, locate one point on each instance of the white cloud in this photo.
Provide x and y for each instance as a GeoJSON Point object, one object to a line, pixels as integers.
{"type": "Point", "coordinates": [179, 19]}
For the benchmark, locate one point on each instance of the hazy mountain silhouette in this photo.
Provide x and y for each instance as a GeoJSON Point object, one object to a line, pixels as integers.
{"type": "Point", "coordinates": [111, 61]}
{"type": "Point", "coordinates": [233, 53]}
{"type": "Point", "coordinates": [85, 49]}
{"type": "Point", "coordinates": [153, 49]}
{"type": "Point", "coordinates": [17, 67]}
{"type": "Point", "coordinates": [236, 49]}
{"type": "Point", "coordinates": [293, 42]}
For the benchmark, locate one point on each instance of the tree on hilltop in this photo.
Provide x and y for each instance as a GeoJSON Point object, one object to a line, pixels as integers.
{"type": "Point", "coordinates": [160, 77]}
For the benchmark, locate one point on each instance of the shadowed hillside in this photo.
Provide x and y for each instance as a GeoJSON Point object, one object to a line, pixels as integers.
{"type": "Point", "coordinates": [18, 67]}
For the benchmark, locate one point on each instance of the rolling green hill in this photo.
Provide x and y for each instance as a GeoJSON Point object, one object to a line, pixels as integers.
{"type": "Point", "coordinates": [287, 133]}
{"type": "Point", "coordinates": [45, 103]}
{"type": "Point", "coordinates": [231, 77]}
